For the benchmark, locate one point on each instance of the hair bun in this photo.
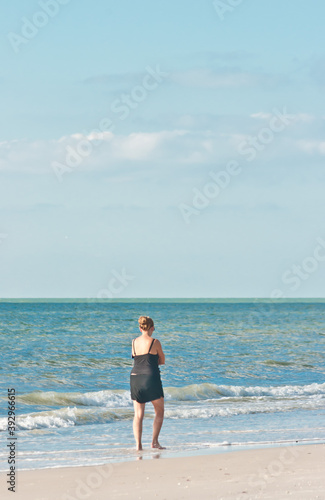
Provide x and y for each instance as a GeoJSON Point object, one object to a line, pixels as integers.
{"type": "Point", "coordinates": [145, 323]}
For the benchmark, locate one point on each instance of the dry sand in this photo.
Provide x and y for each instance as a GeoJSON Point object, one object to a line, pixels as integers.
{"type": "Point", "coordinates": [296, 472]}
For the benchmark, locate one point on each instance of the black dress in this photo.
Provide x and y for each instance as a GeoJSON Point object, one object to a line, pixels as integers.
{"type": "Point", "coordinates": [145, 379]}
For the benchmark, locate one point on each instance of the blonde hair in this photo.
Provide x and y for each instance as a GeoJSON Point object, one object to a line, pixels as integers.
{"type": "Point", "coordinates": [145, 323]}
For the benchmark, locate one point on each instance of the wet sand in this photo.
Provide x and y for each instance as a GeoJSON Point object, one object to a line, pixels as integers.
{"type": "Point", "coordinates": [296, 472]}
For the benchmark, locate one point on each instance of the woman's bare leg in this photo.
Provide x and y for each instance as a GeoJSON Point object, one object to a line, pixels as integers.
{"type": "Point", "coordinates": [158, 421]}
{"type": "Point", "coordinates": [137, 422]}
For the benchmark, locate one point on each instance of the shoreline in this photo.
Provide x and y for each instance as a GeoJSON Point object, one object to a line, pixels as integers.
{"type": "Point", "coordinates": [149, 453]}
{"type": "Point", "coordinates": [275, 472]}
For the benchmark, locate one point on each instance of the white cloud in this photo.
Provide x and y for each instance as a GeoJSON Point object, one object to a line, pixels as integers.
{"type": "Point", "coordinates": [175, 150]}
{"type": "Point", "coordinates": [102, 151]}
{"type": "Point", "coordinates": [114, 79]}
{"type": "Point", "coordinates": [261, 115]}
{"type": "Point", "coordinates": [297, 117]}
{"type": "Point", "coordinates": [206, 78]}
{"type": "Point", "coordinates": [226, 77]}
{"type": "Point", "coordinates": [312, 146]}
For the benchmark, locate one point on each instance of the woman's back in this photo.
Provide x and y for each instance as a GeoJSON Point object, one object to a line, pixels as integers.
{"type": "Point", "coordinates": [142, 345]}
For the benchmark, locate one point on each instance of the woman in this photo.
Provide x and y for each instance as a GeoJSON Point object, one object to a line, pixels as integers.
{"type": "Point", "coordinates": [145, 380]}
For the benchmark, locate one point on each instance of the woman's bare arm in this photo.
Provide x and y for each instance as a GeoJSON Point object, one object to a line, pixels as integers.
{"type": "Point", "coordinates": [161, 355]}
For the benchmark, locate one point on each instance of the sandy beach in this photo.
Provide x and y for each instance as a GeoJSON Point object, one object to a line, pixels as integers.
{"type": "Point", "coordinates": [271, 473]}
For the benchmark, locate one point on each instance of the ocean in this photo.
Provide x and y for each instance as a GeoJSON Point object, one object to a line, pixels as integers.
{"type": "Point", "coordinates": [238, 373]}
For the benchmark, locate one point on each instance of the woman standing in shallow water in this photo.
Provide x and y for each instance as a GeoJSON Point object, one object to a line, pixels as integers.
{"type": "Point", "coordinates": [145, 380]}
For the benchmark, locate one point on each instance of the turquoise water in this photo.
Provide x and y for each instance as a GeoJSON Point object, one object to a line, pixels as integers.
{"type": "Point", "coordinates": [237, 373]}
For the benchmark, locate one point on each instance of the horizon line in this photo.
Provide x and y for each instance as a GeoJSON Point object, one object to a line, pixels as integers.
{"type": "Point", "coordinates": [157, 299]}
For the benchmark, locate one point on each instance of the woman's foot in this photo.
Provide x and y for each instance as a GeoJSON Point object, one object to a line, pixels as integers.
{"type": "Point", "coordinates": [157, 446]}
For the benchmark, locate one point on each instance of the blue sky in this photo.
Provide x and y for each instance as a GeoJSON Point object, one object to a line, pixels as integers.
{"type": "Point", "coordinates": [162, 149]}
